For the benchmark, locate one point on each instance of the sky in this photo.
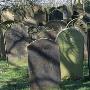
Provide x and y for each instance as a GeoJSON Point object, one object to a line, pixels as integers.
{"type": "Point", "coordinates": [54, 2]}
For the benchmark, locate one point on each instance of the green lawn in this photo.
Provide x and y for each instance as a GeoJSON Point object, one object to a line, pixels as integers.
{"type": "Point", "coordinates": [14, 76]}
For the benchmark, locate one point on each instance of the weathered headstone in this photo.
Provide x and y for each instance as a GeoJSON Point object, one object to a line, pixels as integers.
{"type": "Point", "coordinates": [44, 64]}
{"type": "Point", "coordinates": [56, 15]}
{"type": "Point", "coordinates": [40, 17]}
{"type": "Point", "coordinates": [56, 25]}
{"type": "Point", "coordinates": [16, 45]}
{"type": "Point", "coordinates": [71, 44]}
{"type": "Point", "coordinates": [48, 34]}
{"type": "Point", "coordinates": [7, 15]}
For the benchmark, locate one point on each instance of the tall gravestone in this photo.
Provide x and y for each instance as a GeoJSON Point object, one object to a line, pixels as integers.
{"type": "Point", "coordinates": [71, 46]}
{"type": "Point", "coordinates": [44, 64]}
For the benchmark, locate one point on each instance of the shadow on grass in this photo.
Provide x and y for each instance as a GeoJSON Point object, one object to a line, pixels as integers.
{"type": "Point", "coordinates": [13, 78]}
{"type": "Point", "coordinates": [76, 84]}
{"type": "Point", "coordinates": [24, 84]}
{"type": "Point", "coordinates": [21, 83]}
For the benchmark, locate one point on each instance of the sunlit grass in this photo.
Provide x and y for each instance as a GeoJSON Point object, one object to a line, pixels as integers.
{"type": "Point", "coordinates": [16, 78]}
{"type": "Point", "coordinates": [12, 77]}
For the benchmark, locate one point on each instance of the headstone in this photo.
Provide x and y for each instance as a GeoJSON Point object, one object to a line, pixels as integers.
{"type": "Point", "coordinates": [71, 46]}
{"type": "Point", "coordinates": [56, 15]}
{"type": "Point", "coordinates": [40, 17]}
{"type": "Point", "coordinates": [7, 15]}
{"type": "Point", "coordinates": [48, 34]}
{"type": "Point", "coordinates": [56, 25]}
{"type": "Point", "coordinates": [44, 64]}
{"type": "Point", "coordinates": [44, 32]}
{"type": "Point", "coordinates": [16, 45]}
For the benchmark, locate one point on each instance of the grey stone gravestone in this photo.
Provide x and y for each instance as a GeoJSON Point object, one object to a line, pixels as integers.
{"type": "Point", "coordinates": [48, 34]}
{"type": "Point", "coordinates": [44, 65]}
{"type": "Point", "coordinates": [71, 44]}
{"type": "Point", "coordinates": [56, 15]}
{"type": "Point", "coordinates": [56, 25]}
{"type": "Point", "coordinates": [16, 46]}
{"type": "Point", "coordinates": [44, 32]}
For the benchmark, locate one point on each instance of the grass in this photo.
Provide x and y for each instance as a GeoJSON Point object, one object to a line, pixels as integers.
{"type": "Point", "coordinates": [14, 76]}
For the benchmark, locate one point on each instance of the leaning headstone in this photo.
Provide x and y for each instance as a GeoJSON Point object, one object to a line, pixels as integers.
{"type": "Point", "coordinates": [16, 45]}
{"type": "Point", "coordinates": [44, 64]}
{"type": "Point", "coordinates": [71, 46]}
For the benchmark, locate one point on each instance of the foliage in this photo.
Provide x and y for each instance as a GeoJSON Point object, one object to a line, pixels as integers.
{"type": "Point", "coordinates": [19, 11]}
{"type": "Point", "coordinates": [87, 6]}
{"type": "Point", "coordinates": [7, 24]}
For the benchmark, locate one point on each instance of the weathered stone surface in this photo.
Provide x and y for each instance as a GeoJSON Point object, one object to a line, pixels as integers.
{"type": "Point", "coordinates": [7, 15]}
{"type": "Point", "coordinates": [16, 42]}
{"type": "Point", "coordinates": [56, 15]}
{"type": "Point", "coordinates": [50, 30]}
{"type": "Point", "coordinates": [47, 34]}
{"type": "Point", "coordinates": [71, 44]}
{"type": "Point", "coordinates": [44, 66]}
{"type": "Point", "coordinates": [56, 25]}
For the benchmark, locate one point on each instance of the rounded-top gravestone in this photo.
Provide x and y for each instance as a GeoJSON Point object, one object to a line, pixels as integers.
{"type": "Point", "coordinates": [71, 47]}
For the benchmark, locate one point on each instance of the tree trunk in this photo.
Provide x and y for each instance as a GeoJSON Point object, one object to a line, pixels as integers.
{"type": "Point", "coordinates": [2, 45]}
{"type": "Point", "coordinates": [88, 38]}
